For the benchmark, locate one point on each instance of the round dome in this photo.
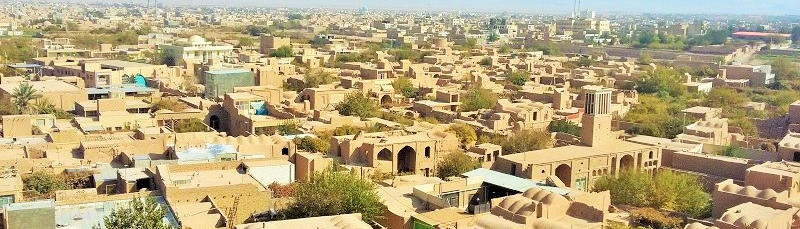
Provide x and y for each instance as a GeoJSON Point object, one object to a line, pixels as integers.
{"type": "Point", "coordinates": [730, 217]}
{"type": "Point", "coordinates": [730, 188]}
{"type": "Point", "coordinates": [767, 194]}
{"type": "Point", "coordinates": [759, 224]}
{"type": "Point", "coordinates": [749, 191]}
{"type": "Point", "coordinates": [743, 221]}
{"type": "Point", "coordinates": [196, 39]}
{"type": "Point", "coordinates": [696, 226]}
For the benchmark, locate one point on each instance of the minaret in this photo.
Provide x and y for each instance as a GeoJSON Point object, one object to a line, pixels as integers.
{"type": "Point", "coordinates": [596, 129]}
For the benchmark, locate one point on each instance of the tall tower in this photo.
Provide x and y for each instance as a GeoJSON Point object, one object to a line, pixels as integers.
{"type": "Point", "coordinates": [596, 130]}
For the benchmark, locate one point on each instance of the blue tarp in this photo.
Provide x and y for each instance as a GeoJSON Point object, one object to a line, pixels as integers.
{"type": "Point", "coordinates": [138, 79]}
{"type": "Point", "coordinates": [210, 152]}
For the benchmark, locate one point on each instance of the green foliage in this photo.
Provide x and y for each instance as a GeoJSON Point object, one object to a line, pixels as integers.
{"type": "Point", "coordinates": [655, 219]}
{"type": "Point", "coordinates": [190, 125]}
{"type": "Point", "coordinates": [505, 49]}
{"type": "Point", "coordinates": [464, 132]}
{"type": "Point", "coordinates": [312, 144]}
{"type": "Point", "coordinates": [564, 126]}
{"type": "Point", "coordinates": [405, 87]}
{"type": "Point", "coordinates": [44, 183]}
{"type": "Point", "coordinates": [139, 214]}
{"type": "Point", "coordinates": [358, 104]}
{"type": "Point", "coordinates": [662, 81]}
{"type": "Point", "coordinates": [645, 59]}
{"type": "Point", "coordinates": [585, 61]}
{"type": "Point", "coordinates": [658, 116]}
{"type": "Point", "coordinates": [795, 34]}
{"type": "Point", "coordinates": [785, 69]}
{"type": "Point", "coordinates": [165, 104]}
{"type": "Point", "coordinates": [289, 128]}
{"type": "Point", "coordinates": [713, 37]}
{"type": "Point", "coordinates": [246, 41]}
{"type": "Point", "coordinates": [725, 98]}
{"type": "Point", "coordinates": [23, 95]}
{"type": "Point", "coordinates": [522, 141]}
{"type": "Point", "coordinates": [313, 78]}
{"type": "Point", "coordinates": [351, 57]}
{"type": "Point", "coordinates": [477, 98]}
{"type": "Point", "coordinates": [406, 53]}
{"type": "Point", "coordinates": [319, 42]}
{"type": "Point", "coordinates": [493, 37]}
{"type": "Point", "coordinates": [486, 61]}
{"type": "Point", "coordinates": [549, 48]}
{"type": "Point", "coordinates": [455, 164]}
{"type": "Point", "coordinates": [732, 151]}
{"type": "Point", "coordinates": [282, 52]}
{"type": "Point", "coordinates": [667, 190]}
{"type": "Point", "coordinates": [17, 49]}
{"type": "Point", "coordinates": [295, 16]}
{"type": "Point", "coordinates": [396, 117]}
{"type": "Point", "coordinates": [256, 30]}
{"type": "Point", "coordinates": [518, 78]}
{"type": "Point", "coordinates": [334, 193]}
{"type": "Point", "coordinates": [346, 130]}
{"type": "Point", "coordinates": [43, 106]}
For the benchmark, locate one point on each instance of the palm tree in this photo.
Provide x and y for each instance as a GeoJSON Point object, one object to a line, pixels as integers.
{"type": "Point", "coordinates": [23, 95]}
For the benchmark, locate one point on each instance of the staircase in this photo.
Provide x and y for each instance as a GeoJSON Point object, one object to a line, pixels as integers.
{"type": "Point", "coordinates": [232, 213]}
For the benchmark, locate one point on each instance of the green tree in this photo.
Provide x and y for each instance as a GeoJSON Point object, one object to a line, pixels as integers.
{"type": "Point", "coordinates": [23, 95]}
{"type": "Point", "coordinates": [44, 183]}
{"type": "Point", "coordinates": [585, 61]}
{"type": "Point", "coordinates": [486, 61]}
{"type": "Point", "coordinates": [785, 69]}
{"type": "Point", "coordinates": [43, 106]}
{"type": "Point", "coordinates": [564, 126]}
{"type": "Point", "coordinates": [289, 127]}
{"type": "Point", "coordinates": [455, 164]}
{"type": "Point", "coordinates": [358, 104]}
{"type": "Point", "coordinates": [493, 37]}
{"type": "Point", "coordinates": [662, 81]}
{"type": "Point", "coordinates": [246, 41]}
{"type": "Point", "coordinates": [190, 125]}
{"type": "Point", "coordinates": [645, 59]}
{"type": "Point", "coordinates": [725, 98]}
{"type": "Point", "coordinates": [312, 144]}
{"type": "Point", "coordinates": [667, 190]}
{"type": "Point", "coordinates": [165, 104]}
{"type": "Point", "coordinates": [464, 132]}
{"type": "Point", "coordinates": [345, 130]}
{"type": "Point", "coordinates": [318, 42]}
{"type": "Point", "coordinates": [658, 116]}
{"type": "Point", "coordinates": [313, 78]}
{"type": "Point", "coordinates": [523, 141]}
{"type": "Point", "coordinates": [283, 51]}
{"type": "Point", "coordinates": [477, 98]}
{"type": "Point", "coordinates": [518, 78]}
{"type": "Point", "coordinates": [334, 193]}
{"type": "Point", "coordinates": [732, 151]}
{"type": "Point", "coordinates": [405, 87]}
{"type": "Point", "coordinates": [139, 214]}
{"type": "Point", "coordinates": [796, 34]}
{"type": "Point", "coordinates": [505, 49]}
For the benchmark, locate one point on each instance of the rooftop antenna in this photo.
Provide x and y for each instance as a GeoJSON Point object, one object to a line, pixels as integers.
{"type": "Point", "coordinates": [579, 9]}
{"type": "Point", "coordinates": [574, 8]}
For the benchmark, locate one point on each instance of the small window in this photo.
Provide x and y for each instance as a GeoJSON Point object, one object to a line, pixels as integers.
{"type": "Point", "coordinates": [285, 151]}
{"type": "Point", "coordinates": [651, 155]}
{"type": "Point", "coordinates": [428, 152]}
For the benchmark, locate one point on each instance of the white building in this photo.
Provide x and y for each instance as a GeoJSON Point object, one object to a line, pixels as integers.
{"type": "Point", "coordinates": [196, 48]}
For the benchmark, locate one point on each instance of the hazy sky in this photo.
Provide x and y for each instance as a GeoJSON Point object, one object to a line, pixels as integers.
{"type": "Point", "coordinates": [774, 7]}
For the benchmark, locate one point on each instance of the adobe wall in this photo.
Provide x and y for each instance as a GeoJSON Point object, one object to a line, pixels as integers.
{"type": "Point", "coordinates": [251, 199]}
{"type": "Point", "coordinates": [730, 168]}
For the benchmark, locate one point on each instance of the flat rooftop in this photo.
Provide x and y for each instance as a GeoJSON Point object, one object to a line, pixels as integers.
{"type": "Point", "coordinates": [573, 152]}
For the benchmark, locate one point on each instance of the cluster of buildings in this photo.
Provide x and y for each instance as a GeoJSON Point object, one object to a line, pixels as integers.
{"type": "Point", "coordinates": [126, 134]}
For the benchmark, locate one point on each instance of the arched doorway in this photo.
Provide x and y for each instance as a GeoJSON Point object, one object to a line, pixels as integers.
{"type": "Point", "coordinates": [385, 155]}
{"type": "Point", "coordinates": [214, 121]}
{"type": "Point", "coordinates": [564, 172]}
{"type": "Point", "coordinates": [406, 160]}
{"type": "Point", "coordinates": [386, 99]}
{"type": "Point", "coordinates": [626, 162]}
{"type": "Point", "coordinates": [613, 166]}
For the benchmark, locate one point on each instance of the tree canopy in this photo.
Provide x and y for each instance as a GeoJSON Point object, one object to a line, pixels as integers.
{"type": "Point", "coordinates": [521, 141]}
{"type": "Point", "coordinates": [662, 80]}
{"type": "Point", "coordinates": [477, 98]}
{"type": "Point", "coordinates": [404, 86]}
{"type": "Point", "coordinates": [283, 51]}
{"type": "Point", "coordinates": [564, 126]}
{"type": "Point", "coordinates": [464, 132]}
{"type": "Point", "coordinates": [358, 104]}
{"type": "Point", "coordinates": [667, 190]}
{"type": "Point", "coordinates": [139, 214]}
{"type": "Point", "coordinates": [455, 164]}
{"type": "Point", "coordinates": [518, 78]}
{"type": "Point", "coordinates": [23, 95]}
{"type": "Point", "coordinates": [334, 193]}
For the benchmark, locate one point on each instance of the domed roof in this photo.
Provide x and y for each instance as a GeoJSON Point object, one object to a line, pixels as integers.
{"type": "Point", "coordinates": [696, 226]}
{"type": "Point", "coordinates": [749, 191]}
{"type": "Point", "coordinates": [196, 39]}
{"type": "Point", "coordinates": [759, 224]}
{"type": "Point", "coordinates": [743, 221]}
{"type": "Point", "coordinates": [730, 217]}
{"type": "Point", "coordinates": [767, 194]}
